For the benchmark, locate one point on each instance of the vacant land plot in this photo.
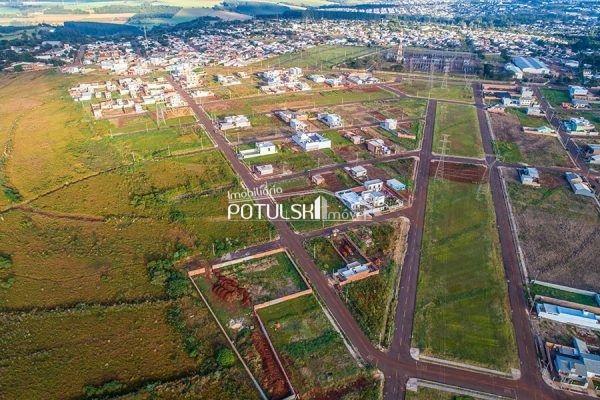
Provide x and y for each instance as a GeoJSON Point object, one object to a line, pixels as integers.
{"type": "Point", "coordinates": [313, 353]}
{"type": "Point", "coordinates": [460, 123]}
{"type": "Point", "coordinates": [325, 255]}
{"type": "Point", "coordinates": [559, 232]}
{"type": "Point", "coordinates": [422, 88]}
{"type": "Point", "coordinates": [372, 301]}
{"type": "Point", "coordinates": [61, 261]}
{"type": "Point", "coordinates": [462, 306]}
{"type": "Point", "coordinates": [555, 96]}
{"type": "Point", "coordinates": [513, 145]}
{"type": "Point", "coordinates": [528, 120]}
{"type": "Point", "coordinates": [319, 57]}
{"type": "Point", "coordinates": [268, 103]}
{"type": "Point", "coordinates": [97, 351]}
{"type": "Point", "coordinates": [336, 212]}
{"type": "Point", "coordinates": [190, 192]}
{"type": "Point", "coordinates": [233, 291]}
{"type": "Point", "coordinates": [46, 138]}
{"type": "Point", "coordinates": [159, 142]}
{"type": "Point", "coordinates": [424, 393]}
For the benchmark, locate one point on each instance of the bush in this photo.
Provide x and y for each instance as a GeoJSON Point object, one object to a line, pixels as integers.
{"type": "Point", "coordinates": [108, 388]}
{"type": "Point", "coordinates": [226, 358]}
{"type": "Point", "coordinates": [5, 261]}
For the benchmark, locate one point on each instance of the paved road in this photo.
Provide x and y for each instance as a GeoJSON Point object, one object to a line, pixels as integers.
{"type": "Point", "coordinates": [397, 365]}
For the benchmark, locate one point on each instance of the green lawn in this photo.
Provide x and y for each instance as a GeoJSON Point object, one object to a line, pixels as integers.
{"type": "Point", "coordinates": [312, 352]}
{"type": "Point", "coordinates": [452, 91]}
{"type": "Point", "coordinates": [555, 96]}
{"type": "Point", "coordinates": [325, 255]}
{"type": "Point", "coordinates": [158, 142]}
{"type": "Point", "coordinates": [507, 151]}
{"type": "Point", "coordinates": [462, 310]}
{"type": "Point", "coordinates": [537, 289]}
{"type": "Point", "coordinates": [461, 125]}
{"type": "Point", "coordinates": [528, 120]}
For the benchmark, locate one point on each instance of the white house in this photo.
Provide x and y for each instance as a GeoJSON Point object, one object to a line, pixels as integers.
{"type": "Point", "coordinates": [298, 125]}
{"type": "Point", "coordinates": [234, 122]}
{"type": "Point", "coordinates": [578, 185]}
{"type": "Point", "coordinates": [529, 176]}
{"type": "Point", "coordinates": [389, 124]}
{"type": "Point", "coordinates": [311, 141]}
{"type": "Point", "coordinates": [331, 120]}
{"type": "Point", "coordinates": [260, 149]}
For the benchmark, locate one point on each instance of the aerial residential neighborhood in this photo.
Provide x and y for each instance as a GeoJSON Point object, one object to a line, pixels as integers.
{"type": "Point", "coordinates": [300, 200]}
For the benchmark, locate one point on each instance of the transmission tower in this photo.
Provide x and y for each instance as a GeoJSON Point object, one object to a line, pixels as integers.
{"type": "Point", "coordinates": [439, 171]}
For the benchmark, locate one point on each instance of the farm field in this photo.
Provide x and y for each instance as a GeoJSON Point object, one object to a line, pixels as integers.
{"type": "Point", "coordinates": [313, 353]}
{"type": "Point", "coordinates": [513, 145]}
{"type": "Point", "coordinates": [462, 309]}
{"type": "Point", "coordinates": [460, 123]}
{"type": "Point", "coordinates": [98, 351]}
{"type": "Point", "coordinates": [372, 301]}
{"type": "Point", "coordinates": [233, 291]}
{"type": "Point", "coordinates": [421, 88]}
{"type": "Point", "coordinates": [319, 57]}
{"type": "Point", "coordinates": [547, 215]}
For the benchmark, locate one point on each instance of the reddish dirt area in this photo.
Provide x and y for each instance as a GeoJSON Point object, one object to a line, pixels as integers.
{"type": "Point", "coordinates": [468, 173]}
{"type": "Point", "coordinates": [229, 290]}
{"type": "Point", "coordinates": [378, 115]}
{"type": "Point", "coordinates": [332, 182]}
{"type": "Point", "coordinates": [273, 379]}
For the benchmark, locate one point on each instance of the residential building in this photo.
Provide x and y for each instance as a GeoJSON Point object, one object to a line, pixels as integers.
{"type": "Point", "coordinates": [378, 147]}
{"type": "Point", "coordinates": [262, 170]}
{"type": "Point", "coordinates": [298, 125]}
{"type": "Point", "coordinates": [358, 171]}
{"type": "Point", "coordinates": [579, 126]}
{"type": "Point", "coordinates": [578, 92]}
{"type": "Point", "coordinates": [234, 122]}
{"type": "Point", "coordinates": [529, 176]}
{"type": "Point", "coordinates": [566, 315]}
{"type": "Point", "coordinates": [578, 185]}
{"type": "Point", "coordinates": [260, 149]}
{"type": "Point", "coordinates": [389, 124]}
{"type": "Point", "coordinates": [395, 184]}
{"type": "Point", "coordinates": [311, 141]}
{"type": "Point", "coordinates": [575, 364]}
{"type": "Point", "coordinates": [331, 120]}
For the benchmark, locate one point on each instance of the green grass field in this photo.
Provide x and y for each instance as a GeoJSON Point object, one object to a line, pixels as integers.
{"type": "Point", "coordinates": [98, 351]}
{"type": "Point", "coordinates": [541, 290]}
{"type": "Point", "coordinates": [462, 306]}
{"type": "Point", "coordinates": [319, 57]}
{"type": "Point", "coordinates": [460, 123]}
{"type": "Point", "coordinates": [268, 103]}
{"type": "Point", "coordinates": [528, 120]}
{"type": "Point", "coordinates": [311, 350]}
{"type": "Point", "coordinates": [325, 255]}
{"type": "Point", "coordinates": [422, 88]}
{"type": "Point", "coordinates": [555, 96]}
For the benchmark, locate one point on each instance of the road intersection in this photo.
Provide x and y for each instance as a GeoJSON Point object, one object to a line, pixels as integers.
{"type": "Point", "coordinates": [397, 364]}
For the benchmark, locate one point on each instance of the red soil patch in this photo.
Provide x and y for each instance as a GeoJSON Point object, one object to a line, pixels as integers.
{"type": "Point", "coordinates": [468, 173]}
{"type": "Point", "coordinates": [229, 290]}
{"type": "Point", "coordinates": [273, 379]}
